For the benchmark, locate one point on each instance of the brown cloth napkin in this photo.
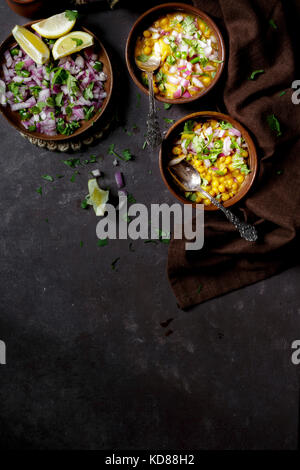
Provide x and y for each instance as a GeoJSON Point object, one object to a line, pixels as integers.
{"type": "Point", "coordinates": [227, 262]}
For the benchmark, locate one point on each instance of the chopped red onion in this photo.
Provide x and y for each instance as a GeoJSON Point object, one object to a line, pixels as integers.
{"type": "Point", "coordinates": [119, 179]}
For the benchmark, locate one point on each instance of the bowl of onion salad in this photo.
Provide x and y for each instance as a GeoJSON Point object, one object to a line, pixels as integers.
{"type": "Point", "coordinates": [189, 45]}
{"type": "Point", "coordinates": [57, 100]}
{"type": "Point", "coordinates": [219, 148]}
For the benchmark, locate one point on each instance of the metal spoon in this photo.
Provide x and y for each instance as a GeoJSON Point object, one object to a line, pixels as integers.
{"type": "Point", "coordinates": [153, 136]}
{"type": "Point", "coordinates": [190, 180]}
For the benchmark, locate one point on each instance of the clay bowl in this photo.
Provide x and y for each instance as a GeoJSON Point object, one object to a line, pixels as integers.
{"type": "Point", "coordinates": [27, 8]}
{"type": "Point", "coordinates": [144, 21]}
{"type": "Point", "coordinates": [13, 117]}
{"type": "Point", "coordinates": [175, 131]}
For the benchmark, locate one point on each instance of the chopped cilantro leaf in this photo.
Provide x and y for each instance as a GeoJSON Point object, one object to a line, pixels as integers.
{"type": "Point", "coordinates": [253, 74]}
{"type": "Point", "coordinates": [48, 178]}
{"type": "Point", "coordinates": [272, 23]}
{"type": "Point", "coordinates": [167, 106]}
{"type": "Point", "coordinates": [71, 14]}
{"type": "Point", "coordinates": [79, 42]}
{"type": "Point", "coordinates": [274, 124]}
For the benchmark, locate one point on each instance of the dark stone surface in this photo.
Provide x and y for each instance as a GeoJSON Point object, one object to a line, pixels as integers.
{"type": "Point", "coordinates": [88, 363]}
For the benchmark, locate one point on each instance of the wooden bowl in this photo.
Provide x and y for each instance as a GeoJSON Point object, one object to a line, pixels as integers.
{"type": "Point", "coordinates": [13, 117]}
{"type": "Point", "coordinates": [144, 21]}
{"type": "Point", "coordinates": [168, 143]}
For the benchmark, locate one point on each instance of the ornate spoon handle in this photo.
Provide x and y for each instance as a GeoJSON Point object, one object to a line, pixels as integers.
{"type": "Point", "coordinates": [153, 136]}
{"type": "Point", "coordinates": [247, 231]}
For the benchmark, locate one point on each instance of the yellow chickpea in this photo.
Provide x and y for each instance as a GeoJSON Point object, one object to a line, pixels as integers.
{"type": "Point", "coordinates": [147, 50]}
{"type": "Point", "coordinates": [235, 186]}
{"type": "Point", "coordinates": [221, 188]}
{"type": "Point", "coordinates": [240, 178]}
{"type": "Point", "coordinates": [202, 25]}
{"type": "Point", "coordinates": [176, 150]}
{"type": "Point", "coordinates": [244, 153]}
{"type": "Point", "coordinates": [208, 177]}
{"type": "Point", "coordinates": [149, 42]}
{"type": "Point", "coordinates": [221, 179]}
{"type": "Point", "coordinates": [147, 34]}
{"type": "Point", "coordinates": [156, 24]}
{"type": "Point", "coordinates": [206, 80]}
{"type": "Point", "coordinates": [222, 159]}
{"type": "Point", "coordinates": [164, 22]}
{"type": "Point", "coordinates": [207, 33]}
{"type": "Point", "coordinates": [155, 89]}
{"type": "Point", "coordinates": [207, 202]}
{"type": "Point", "coordinates": [228, 160]}
{"type": "Point", "coordinates": [212, 193]}
{"type": "Point", "coordinates": [231, 167]}
{"type": "Point", "coordinates": [225, 197]}
{"type": "Point", "coordinates": [213, 123]}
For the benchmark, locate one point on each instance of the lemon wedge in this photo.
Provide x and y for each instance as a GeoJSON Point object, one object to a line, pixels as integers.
{"type": "Point", "coordinates": [55, 26]}
{"type": "Point", "coordinates": [97, 197]}
{"type": "Point", "coordinates": [72, 42]}
{"type": "Point", "coordinates": [31, 44]}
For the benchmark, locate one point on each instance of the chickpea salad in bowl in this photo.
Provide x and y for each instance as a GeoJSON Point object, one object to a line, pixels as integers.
{"type": "Point", "coordinates": [188, 49]}
{"type": "Point", "coordinates": [218, 151]}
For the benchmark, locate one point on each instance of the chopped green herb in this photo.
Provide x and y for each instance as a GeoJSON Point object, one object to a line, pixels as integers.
{"type": "Point", "coordinates": [143, 58]}
{"type": "Point", "coordinates": [167, 106]}
{"type": "Point", "coordinates": [273, 24]}
{"type": "Point", "coordinates": [199, 288]}
{"type": "Point", "coordinates": [32, 128]}
{"type": "Point", "coordinates": [171, 60]}
{"type": "Point", "coordinates": [113, 264]}
{"type": "Point", "coordinates": [282, 93]}
{"type": "Point", "coordinates": [88, 112]}
{"type": "Point", "coordinates": [48, 178]}
{"type": "Point", "coordinates": [169, 121]}
{"type": "Point", "coordinates": [145, 145]}
{"type": "Point", "coordinates": [72, 162]}
{"type": "Point", "coordinates": [127, 155]}
{"type": "Point", "coordinates": [188, 25]}
{"type": "Point", "coordinates": [58, 98]}
{"type": "Point", "coordinates": [98, 66]}
{"type": "Point", "coordinates": [253, 74]}
{"type": "Point", "coordinates": [47, 220]}
{"type": "Point", "coordinates": [66, 128]}
{"type": "Point", "coordinates": [88, 93]}
{"type": "Point", "coordinates": [225, 125]}
{"type": "Point", "coordinates": [188, 127]}
{"type": "Point", "coordinates": [73, 177]}
{"type": "Point", "coordinates": [274, 124]}
{"type": "Point", "coordinates": [84, 204]}
{"type": "Point", "coordinates": [15, 51]}
{"type": "Point", "coordinates": [39, 190]}
{"type": "Point", "coordinates": [79, 42]}
{"type": "Point", "coordinates": [59, 176]}
{"type": "Point", "coordinates": [130, 198]}
{"type": "Point", "coordinates": [71, 14]}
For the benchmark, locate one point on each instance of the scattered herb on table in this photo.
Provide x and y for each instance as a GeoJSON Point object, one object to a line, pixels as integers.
{"type": "Point", "coordinates": [130, 198]}
{"type": "Point", "coordinates": [167, 106]}
{"type": "Point", "coordinates": [254, 73]}
{"type": "Point", "coordinates": [39, 190]}
{"type": "Point", "coordinates": [274, 124]}
{"type": "Point", "coordinates": [282, 93]}
{"type": "Point", "coordinates": [48, 178]}
{"type": "Point", "coordinates": [84, 204]}
{"type": "Point", "coordinates": [199, 288]}
{"type": "Point", "coordinates": [126, 153]}
{"type": "Point", "coordinates": [113, 264]}
{"type": "Point", "coordinates": [102, 242]}
{"type": "Point", "coordinates": [272, 23]}
{"type": "Point", "coordinates": [169, 121]}
{"type": "Point", "coordinates": [145, 144]}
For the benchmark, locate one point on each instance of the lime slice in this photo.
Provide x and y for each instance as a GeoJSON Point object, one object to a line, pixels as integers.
{"type": "Point", "coordinates": [55, 26]}
{"type": "Point", "coordinates": [31, 44]}
{"type": "Point", "coordinates": [72, 42]}
{"type": "Point", "coordinates": [97, 197]}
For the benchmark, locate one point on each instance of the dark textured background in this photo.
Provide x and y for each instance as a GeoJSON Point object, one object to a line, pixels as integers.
{"type": "Point", "coordinates": [88, 363]}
